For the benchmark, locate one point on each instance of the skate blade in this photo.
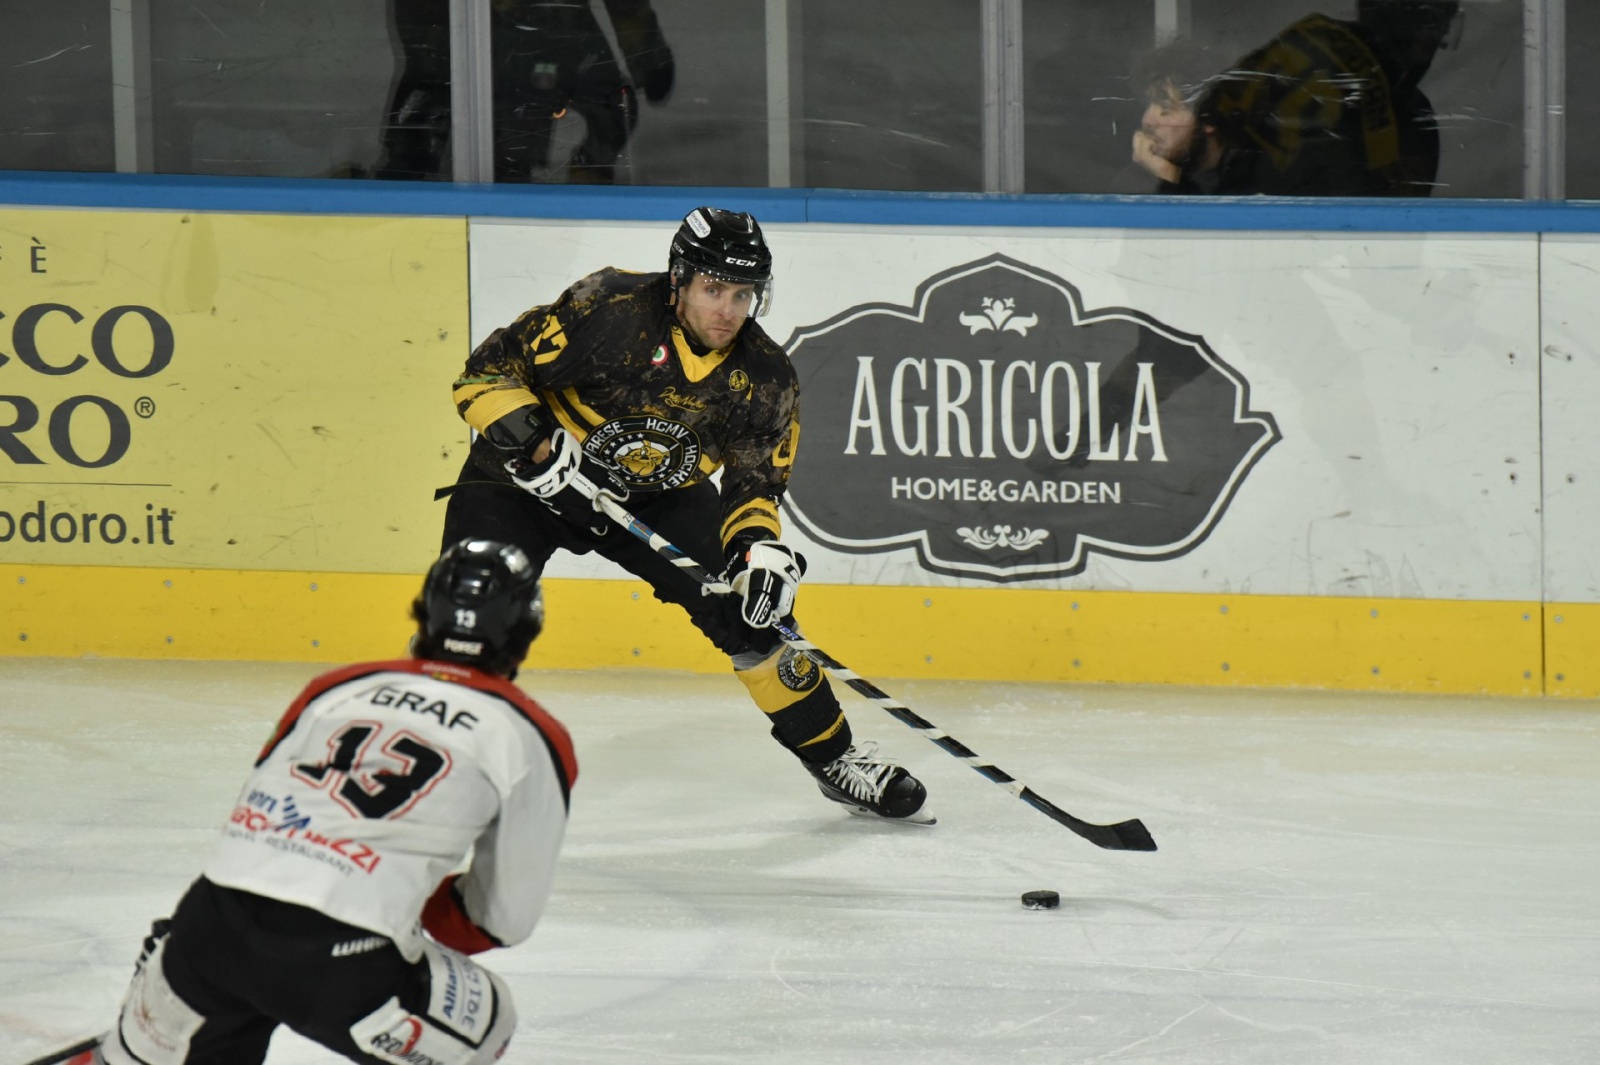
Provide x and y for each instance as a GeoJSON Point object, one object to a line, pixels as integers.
{"type": "Point", "coordinates": [919, 818]}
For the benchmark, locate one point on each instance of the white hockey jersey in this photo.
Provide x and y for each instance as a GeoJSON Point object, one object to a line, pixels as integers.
{"type": "Point", "coordinates": [381, 779]}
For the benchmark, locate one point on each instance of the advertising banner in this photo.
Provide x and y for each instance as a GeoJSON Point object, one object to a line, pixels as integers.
{"type": "Point", "coordinates": [218, 391]}
{"type": "Point", "coordinates": [1007, 437]}
{"type": "Point", "coordinates": [1270, 414]}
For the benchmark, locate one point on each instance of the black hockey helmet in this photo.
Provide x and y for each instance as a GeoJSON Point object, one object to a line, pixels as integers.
{"type": "Point", "coordinates": [726, 245]}
{"type": "Point", "coordinates": [481, 605]}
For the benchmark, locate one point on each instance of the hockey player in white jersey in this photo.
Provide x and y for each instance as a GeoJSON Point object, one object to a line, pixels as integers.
{"type": "Point", "coordinates": [332, 902]}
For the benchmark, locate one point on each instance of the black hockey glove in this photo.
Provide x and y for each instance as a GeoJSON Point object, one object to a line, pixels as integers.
{"type": "Point", "coordinates": [159, 930]}
{"type": "Point", "coordinates": [659, 73]}
{"type": "Point", "coordinates": [765, 575]}
{"type": "Point", "coordinates": [569, 481]}
{"type": "Point", "coordinates": [649, 57]}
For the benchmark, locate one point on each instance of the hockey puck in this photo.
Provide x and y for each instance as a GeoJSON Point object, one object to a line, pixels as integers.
{"type": "Point", "coordinates": [1040, 900]}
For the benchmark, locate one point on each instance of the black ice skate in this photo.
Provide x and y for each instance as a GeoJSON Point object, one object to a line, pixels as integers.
{"type": "Point", "coordinates": [865, 784]}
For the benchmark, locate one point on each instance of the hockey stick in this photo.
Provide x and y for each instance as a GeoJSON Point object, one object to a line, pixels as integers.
{"type": "Point", "coordinates": [1123, 836]}
{"type": "Point", "coordinates": [77, 1054]}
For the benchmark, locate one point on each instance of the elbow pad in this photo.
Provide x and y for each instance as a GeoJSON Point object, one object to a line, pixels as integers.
{"type": "Point", "coordinates": [520, 431]}
{"type": "Point", "coordinates": [444, 917]}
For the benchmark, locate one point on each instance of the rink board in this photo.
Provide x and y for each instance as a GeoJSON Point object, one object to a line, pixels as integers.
{"type": "Point", "coordinates": [887, 632]}
{"type": "Point", "coordinates": [231, 391]}
{"type": "Point", "coordinates": [260, 402]}
{"type": "Point", "coordinates": [1401, 373]}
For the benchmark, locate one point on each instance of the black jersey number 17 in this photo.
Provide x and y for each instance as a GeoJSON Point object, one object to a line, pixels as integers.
{"type": "Point", "coordinates": [365, 791]}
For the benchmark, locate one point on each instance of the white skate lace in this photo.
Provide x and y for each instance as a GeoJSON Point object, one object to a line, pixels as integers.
{"type": "Point", "coordinates": [858, 772]}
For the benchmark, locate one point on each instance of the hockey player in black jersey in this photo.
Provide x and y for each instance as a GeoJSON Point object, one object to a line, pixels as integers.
{"type": "Point", "coordinates": [331, 902]}
{"type": "Point", "coordinates": [643, 385]}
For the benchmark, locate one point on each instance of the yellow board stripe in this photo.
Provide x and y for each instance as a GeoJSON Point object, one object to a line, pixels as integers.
{"type": "Point", "coordinates": [880, 632]}
{"type": "Point", "coordinates": [1572, 649]}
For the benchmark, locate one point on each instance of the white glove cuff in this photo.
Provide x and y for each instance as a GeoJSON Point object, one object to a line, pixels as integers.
{"type": "Point", "coordinates": [559, 469]}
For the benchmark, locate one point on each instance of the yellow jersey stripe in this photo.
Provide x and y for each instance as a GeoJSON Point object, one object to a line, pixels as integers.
{"type": "Point", "coordinates": [695, 367]}
{"type": "Point", "coordinates": [482, 406]}
{"type": "Point", "coordinates": [570, 413]}
{"type": "Point", "coordinates": [579, 408]}
{"type": "Point", "coordinates": [756, 514]}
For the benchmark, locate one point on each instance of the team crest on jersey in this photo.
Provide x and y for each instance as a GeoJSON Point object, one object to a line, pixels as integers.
{"type": "Point", "coordinates": [797, 671]}
{"type": "Point", "coordinates": [650, 451]}
{"type": "Point", "coordinates": [739, 381]}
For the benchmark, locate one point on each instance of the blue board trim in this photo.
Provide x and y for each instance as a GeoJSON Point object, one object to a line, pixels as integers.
{"type": "Point", "coordinates": [843, 207]}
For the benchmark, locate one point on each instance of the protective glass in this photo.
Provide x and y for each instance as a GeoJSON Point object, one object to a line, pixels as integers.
{"type": "Point", "coordinates": [1452, 36]}
{"type": "Point", "coordinates": [716, 293]}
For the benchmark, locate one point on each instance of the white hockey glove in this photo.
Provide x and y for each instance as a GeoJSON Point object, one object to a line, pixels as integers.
{"type": "Point", "coordinates": [568, 481]}
{"type": "Point", "coordinates": [765, 575]}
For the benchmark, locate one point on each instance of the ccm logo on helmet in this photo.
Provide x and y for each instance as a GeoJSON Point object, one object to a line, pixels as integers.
{"type": "Point", "coordinates": [741, 262]}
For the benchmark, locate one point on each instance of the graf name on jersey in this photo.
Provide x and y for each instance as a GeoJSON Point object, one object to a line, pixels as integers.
{"type": "Point", "coordinates": [417, 703]}
{"type": "Point", "coordinates": [651, 452]}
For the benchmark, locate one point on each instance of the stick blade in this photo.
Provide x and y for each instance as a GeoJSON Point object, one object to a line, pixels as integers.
{"type": "Point", "coordinates": [1122, 836]}
{"type": "Point", "coordinates": [1132, 836]}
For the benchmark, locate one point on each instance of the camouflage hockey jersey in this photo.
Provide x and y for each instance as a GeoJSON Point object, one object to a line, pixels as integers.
{"type": "Point", "coordinates": [609, 362]}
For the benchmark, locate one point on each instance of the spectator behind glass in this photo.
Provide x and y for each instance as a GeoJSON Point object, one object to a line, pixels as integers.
{"type": "Point", "coordinates": [1326, 108]}
{"type": "Point", "coordinates": [549, 57]}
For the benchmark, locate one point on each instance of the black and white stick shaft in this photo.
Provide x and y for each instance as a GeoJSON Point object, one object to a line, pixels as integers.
{"type": "Point", "coordinates": [66, 1054]}
{"type": "Point", "coordinates": [1123, 836]}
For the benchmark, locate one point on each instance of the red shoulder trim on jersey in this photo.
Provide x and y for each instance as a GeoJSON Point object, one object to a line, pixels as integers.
{"type": "Point", "coordinates": [556, 738]}
{"type": "Point", "coordinates": [555, 735]}
{"type": "Point", "coordinates": [331, 679]}
{"type": "Point", "coordinates": [444, 917]}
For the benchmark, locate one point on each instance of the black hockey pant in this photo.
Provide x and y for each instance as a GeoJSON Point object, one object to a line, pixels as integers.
{"type": "Point", "coordinates": [795, 695]}
{"type": "Point", "coordinates": [234, 965]}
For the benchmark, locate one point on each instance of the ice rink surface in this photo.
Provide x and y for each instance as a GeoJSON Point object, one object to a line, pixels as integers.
{"type": "Point", "coordinates": [1342, 878]}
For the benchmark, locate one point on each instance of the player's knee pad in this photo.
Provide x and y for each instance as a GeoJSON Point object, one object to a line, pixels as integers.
{"type": "Point", "coordinates": [467, 1018]}
{"type": "Point", "coordinates": [779, 678]}
{"type": "Point", "coordinates": [154, 1026]}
